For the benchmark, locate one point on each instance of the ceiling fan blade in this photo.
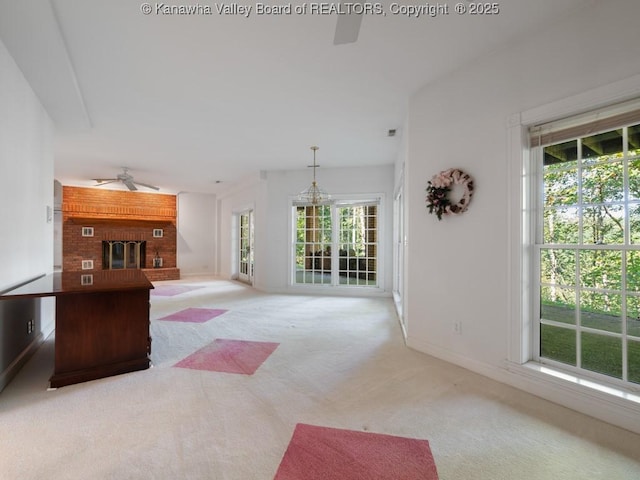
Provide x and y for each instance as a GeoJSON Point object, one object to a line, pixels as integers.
{"type": "Point", "coordinates": [347, 28]}
{"type": "Point", "coordinates": [130, 185]}
{"type": "Point", "coordinates": [104, 181]}
{"type": "Point", "coordinates": [147, 185]}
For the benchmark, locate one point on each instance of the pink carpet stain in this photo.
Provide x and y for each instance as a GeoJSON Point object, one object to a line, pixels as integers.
{"type": "Point", "coordinates": [194, 315]}
{"type": "Point", "coordinates": [172, 290]}
{"type": "Point", "coordinates": [230, 356]}
{"type": "Point", "coordinates": [323, 453]}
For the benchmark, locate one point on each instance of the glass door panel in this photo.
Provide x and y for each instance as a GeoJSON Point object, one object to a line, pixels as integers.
{"type": "Point", "coordinates": [245, 248]}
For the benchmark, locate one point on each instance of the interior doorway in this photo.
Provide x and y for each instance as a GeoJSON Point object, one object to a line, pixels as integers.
{"type": "Point", "coordinates": [399, 254]}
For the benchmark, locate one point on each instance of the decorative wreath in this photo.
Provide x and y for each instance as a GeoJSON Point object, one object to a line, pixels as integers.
{"type": "Point", "coordinates": [439, 188]}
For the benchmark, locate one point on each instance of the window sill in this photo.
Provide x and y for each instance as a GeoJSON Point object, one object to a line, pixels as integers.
{"type": "Point", "coordinates": [610, 403]}
{"type": "Point", "coordinates": [572, 379]}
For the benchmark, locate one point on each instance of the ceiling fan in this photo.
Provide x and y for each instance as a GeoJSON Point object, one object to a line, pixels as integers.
{"type": "Point", "coordinates": [347, 27]}
{"type": "Point", "coordinates": [124, 178]}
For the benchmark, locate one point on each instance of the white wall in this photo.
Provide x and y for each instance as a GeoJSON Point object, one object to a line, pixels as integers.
{"type": "Point", "coordinates": [26, 235]}
{"type": "Point", "coordinates": [26, 179]}
{"type": "Point", "coordinates": [458, 267]}
{"type": "Point", "coordinates": [196, 246]}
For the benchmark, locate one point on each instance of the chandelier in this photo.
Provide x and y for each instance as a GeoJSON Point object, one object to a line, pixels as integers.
{"type": "Point", "coordinates": [314, 194]}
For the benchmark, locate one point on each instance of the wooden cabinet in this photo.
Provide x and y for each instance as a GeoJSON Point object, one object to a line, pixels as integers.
{"type": "Point", "coordinates": [102, 322]}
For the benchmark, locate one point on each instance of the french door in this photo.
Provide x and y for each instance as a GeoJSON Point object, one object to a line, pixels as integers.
{"type": "Point", "coordinates": [245, 247]}
{"type": "Point", "coordinates": [336, 244]}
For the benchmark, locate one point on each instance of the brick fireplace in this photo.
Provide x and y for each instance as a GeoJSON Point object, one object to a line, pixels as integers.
{"type": "Point", "coordinates": [113, 229]}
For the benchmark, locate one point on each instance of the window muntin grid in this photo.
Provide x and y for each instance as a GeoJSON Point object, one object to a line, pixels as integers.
{"type": "Point", "coordinates": [245, 246]}
{"type": "Point", "coordinates": [588, 254]}
{"type": "Point", "coordinates": [358, 244]}
{"type": "Point", "coordinates": [313, 224]}
{"type": "Point", "coordinates": [336, 244]}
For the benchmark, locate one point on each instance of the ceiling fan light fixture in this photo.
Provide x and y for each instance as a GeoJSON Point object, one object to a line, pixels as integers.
{"type": "Point", "coordinates": [314, 194]}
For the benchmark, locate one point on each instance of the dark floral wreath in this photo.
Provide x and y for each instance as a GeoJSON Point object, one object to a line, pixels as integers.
{"type": "Point", "coordinates": [439, 188]}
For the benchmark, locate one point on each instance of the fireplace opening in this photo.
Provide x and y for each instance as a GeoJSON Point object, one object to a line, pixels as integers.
{"type": "Point", "coordinates": [123, 254]}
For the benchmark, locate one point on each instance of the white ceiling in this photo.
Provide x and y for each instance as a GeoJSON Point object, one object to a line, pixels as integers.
{"type": "Point", "coordinates": [187, 101]}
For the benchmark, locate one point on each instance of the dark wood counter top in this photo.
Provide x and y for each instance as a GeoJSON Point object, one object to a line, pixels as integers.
{"type": "Point", "coordinates": [63, 283]}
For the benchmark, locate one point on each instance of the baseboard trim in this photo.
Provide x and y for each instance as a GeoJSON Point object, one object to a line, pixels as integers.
{"type": "Point", "coordinates": [329, 291]}
{"type": "Point", "coordinates": [618, 410]}
{"type": "Point", "coordinates": [14, 367]}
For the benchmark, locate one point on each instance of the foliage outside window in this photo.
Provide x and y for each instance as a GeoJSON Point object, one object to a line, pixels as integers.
{"type": "Point", "coordinates": [589, 253]}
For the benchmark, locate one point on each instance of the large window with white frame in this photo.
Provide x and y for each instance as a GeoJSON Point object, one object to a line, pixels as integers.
{"type": "Point", "coordinates": [336, 244]}
{"type": "Point", "coordinates": [587, 247]}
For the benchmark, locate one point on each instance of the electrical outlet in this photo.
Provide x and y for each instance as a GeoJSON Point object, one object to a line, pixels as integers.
{"type": "Point", "coordinates": [457, 327]}
{"type": "Point", "coordinates": [30, 326]}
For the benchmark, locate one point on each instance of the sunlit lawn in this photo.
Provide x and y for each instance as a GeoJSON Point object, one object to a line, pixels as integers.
{"type": "Point", "coordinates": [600, 353]}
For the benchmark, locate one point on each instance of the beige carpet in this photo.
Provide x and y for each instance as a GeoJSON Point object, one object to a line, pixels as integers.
{"type": "Point", "coordinates": [340, 363]}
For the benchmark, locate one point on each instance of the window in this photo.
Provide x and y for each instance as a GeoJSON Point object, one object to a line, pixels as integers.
{"type": "Point", "coordinates": [587, 253]}
{"type": "Point", "coordinates": [336, 244]}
